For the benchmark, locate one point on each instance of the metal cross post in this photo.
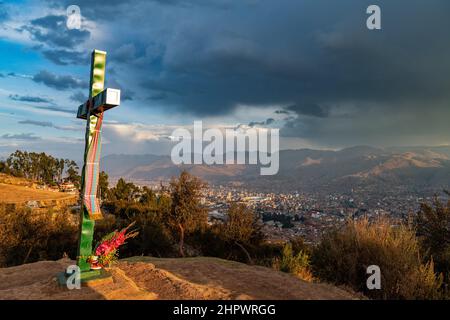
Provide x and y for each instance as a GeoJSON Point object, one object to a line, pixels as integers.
{"type": "Point", "coordinates": [92, 110]}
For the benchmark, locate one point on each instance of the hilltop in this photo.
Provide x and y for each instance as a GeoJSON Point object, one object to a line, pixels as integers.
{"type": "Point", "coordinates": [157, 278]}
{"type": "Point", "coordinates": [20, 191]}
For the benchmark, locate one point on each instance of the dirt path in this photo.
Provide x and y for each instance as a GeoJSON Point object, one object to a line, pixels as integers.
{"type": "Point", "coordinates": [153, 278]}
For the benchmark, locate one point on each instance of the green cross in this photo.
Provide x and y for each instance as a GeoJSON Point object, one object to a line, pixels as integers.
{"type": "Point", "coordinates": [92, 110]}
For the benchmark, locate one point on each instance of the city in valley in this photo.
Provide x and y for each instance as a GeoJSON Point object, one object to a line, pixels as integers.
{"type": "Point", "coordinates": [289, 215]}
{"type": "Point", "coordinates": [286, 216]}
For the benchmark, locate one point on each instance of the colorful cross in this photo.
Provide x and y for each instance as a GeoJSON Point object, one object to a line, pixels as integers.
{"type": "Point", "coordinates": [92, 110]}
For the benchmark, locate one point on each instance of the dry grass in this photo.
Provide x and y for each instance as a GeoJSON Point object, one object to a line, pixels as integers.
{"type": "Point", "coordinates": [343, 256]}
{"type": "Point", "coordinates": [21, 194]}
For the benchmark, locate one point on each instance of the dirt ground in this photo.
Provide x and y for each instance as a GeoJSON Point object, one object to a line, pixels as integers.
{"type": "Point", "coordinates": [153, 278]}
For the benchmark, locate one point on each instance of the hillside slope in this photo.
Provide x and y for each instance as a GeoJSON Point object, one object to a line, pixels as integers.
{"type": "Point", "coordinates": [423, 169]}
{"type": "Point", "coordinates": [15, 190]}
{"type": "Point", "coordinates": [155, 278]}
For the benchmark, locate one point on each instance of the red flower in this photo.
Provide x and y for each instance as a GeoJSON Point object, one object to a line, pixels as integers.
{"type": "Point", "coordinates": [113, 242]}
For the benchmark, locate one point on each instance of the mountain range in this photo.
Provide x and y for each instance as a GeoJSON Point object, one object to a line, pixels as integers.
{"type": "Point", "coordinates": [411, 169]}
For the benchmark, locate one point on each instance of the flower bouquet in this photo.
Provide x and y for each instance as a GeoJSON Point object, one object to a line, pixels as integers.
{"type": "Point", "coordinates": [106, 250]}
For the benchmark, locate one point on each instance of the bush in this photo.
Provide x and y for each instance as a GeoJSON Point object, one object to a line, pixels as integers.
{"type": "Point", "coordinates": [239, 238]}
{"type": "Point", "coordinates": [295, 263]}
{"type": "Point", "coordinates": [187, 214]}
{"type": "Point", "coordinates": [153, 239]}
{"type": "Point", "coordinates": [343, 256]}
{"type": "Point", "coordinates": [433, 224]}
{"type": "Point", "coordinates": [28, 237]}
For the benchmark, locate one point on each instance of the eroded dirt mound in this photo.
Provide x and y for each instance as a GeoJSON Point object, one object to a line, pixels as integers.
{"type": "Point", "coordinates": [154, 278]}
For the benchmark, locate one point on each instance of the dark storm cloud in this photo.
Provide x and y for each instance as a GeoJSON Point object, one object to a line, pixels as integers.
{"type": "Point", "coordinates": [312, 110]}
{"type": "Point", "coordinates": [309, 55]}
{"type": "Point", "coordinates": [20, 136]}
{"type": "Point", "coordinates": [219, 4]}
{"type": "Point", "coordinates": [52, 30]}
{"type": "Point", "coordinates": [17, 97]}
{"type": "Point", "coordinates": [78, 97]}
{"type": "Point", "coordinates": [48, 124]}
{"type": "Point", "coordinates": [66, 57]}
{"type": "Point", "coordinates": [125, 93]}
{"type": "Point", "coordinates": [57, 43]}
{"type": "Point", "coordinates": [261, 123]}
{"type": "Point", "coordinates": [158, 96]}
{"type": "Point", "coordinates": [37, 123]}
{"type": "Point", "coordinates": [125, 53]}
{"type": "Point", "coordinates": [98, 10]}
{"type": "Point", "coordinates": [59, 82]}
{"type": "Point", "coordinates": [56, 109]}
{"type": "Point", "coordinates": [316, 60]}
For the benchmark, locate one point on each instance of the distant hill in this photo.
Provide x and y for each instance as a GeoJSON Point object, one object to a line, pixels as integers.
{"type": "Point", "coordinates": [118, 165]}
{"type": "Point", "coordinates": [421, 169]}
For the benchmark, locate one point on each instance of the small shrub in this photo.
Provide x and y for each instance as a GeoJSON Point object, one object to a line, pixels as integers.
{"type": "Point", "coordinates": [28, 237]}
{"type": "Point", "coordinates": [153, 239]}
{"type": "Point", "coordinates": [343, 256]}
{"type": "Point", "coordinates": [239, 237]}
{"type": "Point", "coordinates": [295, 263]}
{"type": "Point", "coordinates": [432, 224]}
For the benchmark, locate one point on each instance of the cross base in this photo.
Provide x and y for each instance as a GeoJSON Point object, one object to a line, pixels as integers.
{"type": "Point", "coordinates": [86, 277]}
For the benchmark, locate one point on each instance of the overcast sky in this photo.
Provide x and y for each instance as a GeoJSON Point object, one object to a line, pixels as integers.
{"type": "Point", "coordinates": [310, 68]}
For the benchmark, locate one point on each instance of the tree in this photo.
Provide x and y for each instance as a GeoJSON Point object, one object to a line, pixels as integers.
{"type": "Point", "coordinates": [40, 167]}
{"type": "Point", "coordinates": [148, 197]}
{"type": "Point", "coordinates": [4, 167]}
{"type": "Point", "coordinates": [186, 213]}
{"type": "Point", "coordinates": [73, 173]}
{"type": "Point", "coordinates": [103, 185]}
{"type": "Point", "coordinates": [241, 228]}
{"type": "Point", "coordinates": [123, 190]}
{"type": "Point", "coordinates": [61, 166]}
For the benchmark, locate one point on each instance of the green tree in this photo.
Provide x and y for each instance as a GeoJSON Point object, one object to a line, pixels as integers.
{"type": "Point", "coordinates": [186, 213]}
{"type": "Point", "coordinates": [148, 198]}
{"type": "Point", "coordinates": [4, 167]}
{"type": "Point", "coordinates": [103, 185]}
{"type": "Point", "coordinates": [38, 166]}
{"type": "Point", "coordinates": [73, 173]}
{"type": "Point", "coordinates": [126, 191]}
{"type": "Point", "coordinates": [241, 228]}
